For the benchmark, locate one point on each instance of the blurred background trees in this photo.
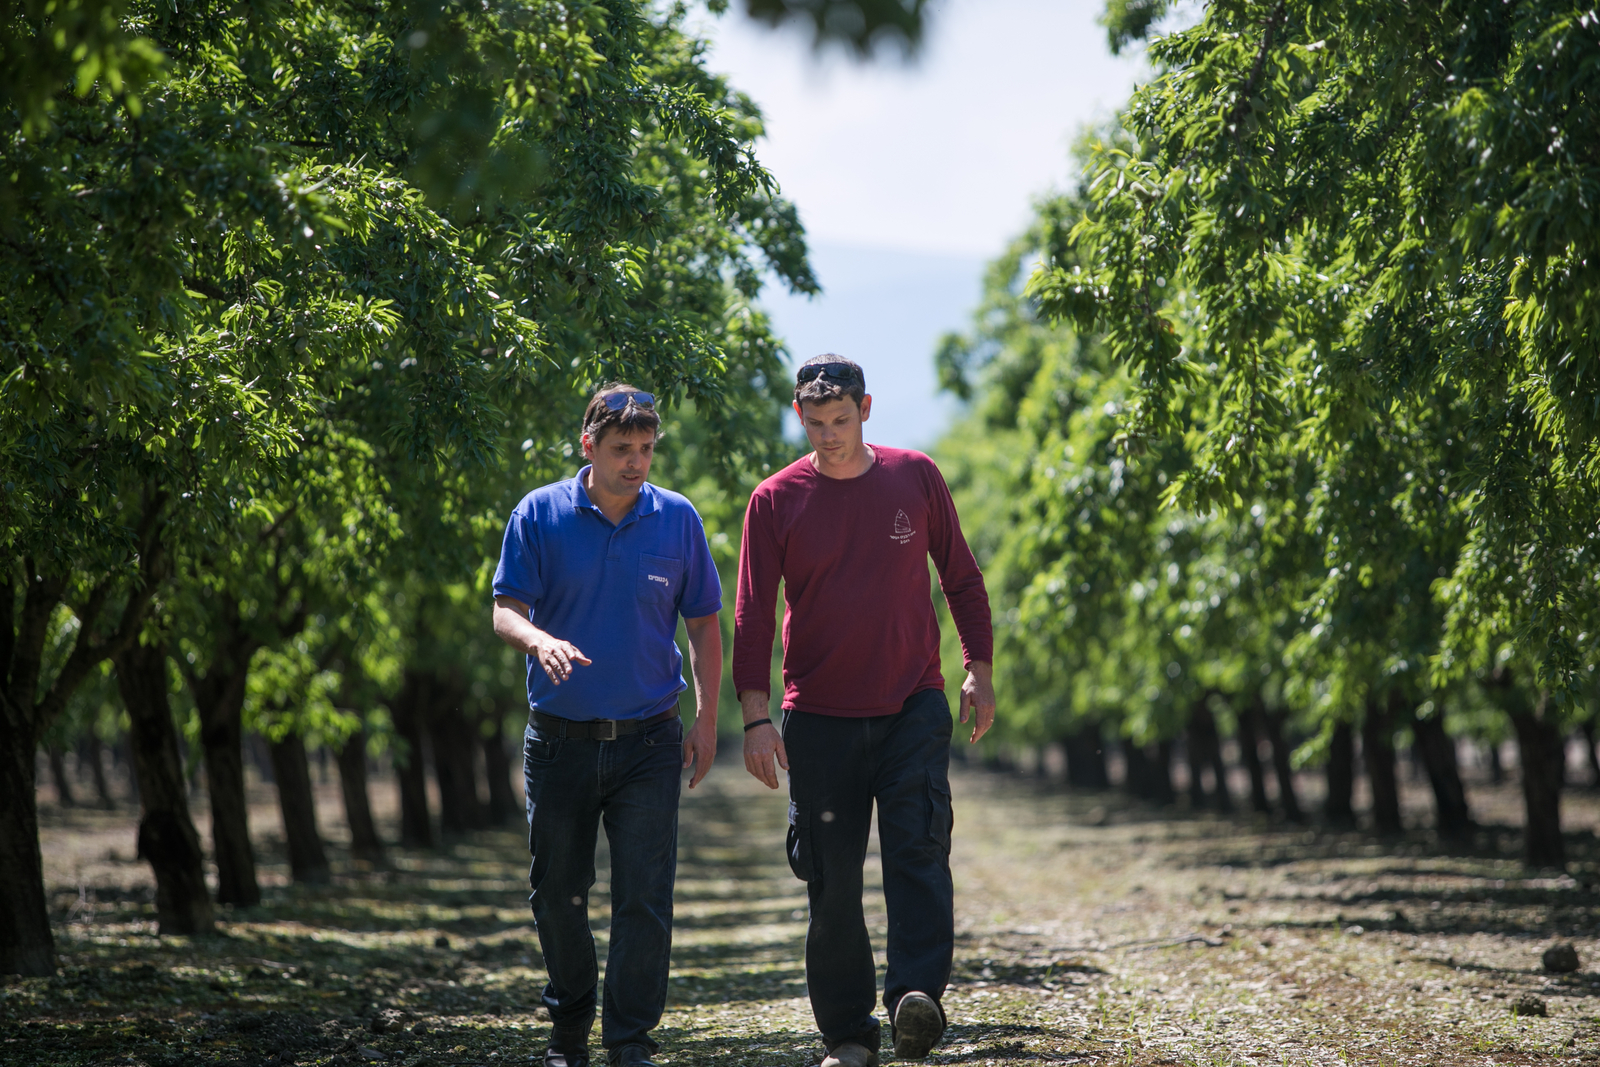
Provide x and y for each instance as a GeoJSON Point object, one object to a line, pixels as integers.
{"type": "Point", "coordinates": [1279, 448]}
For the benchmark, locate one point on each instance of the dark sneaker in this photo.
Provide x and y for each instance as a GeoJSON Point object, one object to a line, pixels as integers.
{"type": "Point", "coordinates": [630, 1056]}
{"type": "Point", "coordinates": [568, 1048]}
{"type": "Point", "coordinates": [918, 1025]}
{"type": "Point", "coordinates": [850, 1054]}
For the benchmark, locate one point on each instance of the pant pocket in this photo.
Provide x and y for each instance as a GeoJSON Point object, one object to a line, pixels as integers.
{"type": "Point", "coordinates": [941, 812]}
{"type": "Point", "coordinates": [802, 861]}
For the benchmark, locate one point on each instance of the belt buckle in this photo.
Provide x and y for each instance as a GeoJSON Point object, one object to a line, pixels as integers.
{"type": "Point", "coordinates": [611, 732]}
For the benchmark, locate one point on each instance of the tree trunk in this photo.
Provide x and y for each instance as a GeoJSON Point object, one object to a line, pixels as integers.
{"type": "Point", "coordinates": [1086, 757]}
{"type": "Point", "coordinates": [1283, 766]}
{"type": "Point", "coordinates": [1161, 790]}
{"type": "Point", "coordinates": [26, 946]}
{"type": "Point", "coordinates": [1377, 752]}
{"type": "Point", "coordinates": [497, 766]}
{"type": "Point", "coordinates": [451, 735]}
{"type": "Point", "coordinates": [1341, 772]}
{"type": "Point", "coordinates": [1497, 767]}
{"type": "Point", "coordinates": [1590, 755]}
{"type": "Point", "coordinates": [1204, 749]}
{"type": "Point", "coordinates": [95, 752]}
{"type": "Point", "coordinates": [416, 829]}
{"type": "Point", "coordinates": [1437, 750]}
{"type": "Point", "coordinates": [58, 772]}
{"type": "Point", "coordinates": [1250, 756]}
{"type": "Point", "coordinates": [1542, 747]}
{"type": "Point", "coordinates": [364, 840]}
{"type": "Point", "coordinates": [167, 837]}
{"type": "Point", "coordinates": [308, 864]}
{"type": "Point", "coordinates": [219, 698]}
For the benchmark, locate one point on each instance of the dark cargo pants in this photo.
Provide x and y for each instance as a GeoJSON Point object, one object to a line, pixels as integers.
{"type": "Point", "coordinates": [838, 768]}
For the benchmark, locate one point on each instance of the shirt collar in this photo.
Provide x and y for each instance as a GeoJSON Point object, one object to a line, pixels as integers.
{"type": "Point", "coordinates": [648, 502]}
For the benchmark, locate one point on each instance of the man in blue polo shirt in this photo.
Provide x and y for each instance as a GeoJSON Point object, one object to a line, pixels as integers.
{"type": "Point", "coordinates": [593, 575]}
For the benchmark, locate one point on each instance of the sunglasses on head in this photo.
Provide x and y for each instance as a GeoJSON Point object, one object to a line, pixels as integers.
{"type": "Point", "coordinates": [618, 401]}
{"type": "Point", "coordinates": [843, 373]}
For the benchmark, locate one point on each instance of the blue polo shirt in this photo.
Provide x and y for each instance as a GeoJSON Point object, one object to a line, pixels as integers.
{"type": "Point", "coordinates": [614, 591]}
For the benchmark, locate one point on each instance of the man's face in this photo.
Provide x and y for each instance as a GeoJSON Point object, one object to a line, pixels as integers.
{"type": "Point", "coordinates": [834, 427]}
{"type": "Point", "coordinates": [621, 460]}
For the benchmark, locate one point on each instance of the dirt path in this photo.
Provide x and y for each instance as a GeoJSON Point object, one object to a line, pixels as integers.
{"type": "Point", "coordinates": [1088, 931]}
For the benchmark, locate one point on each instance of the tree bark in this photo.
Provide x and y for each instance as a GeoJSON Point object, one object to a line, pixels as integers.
{"type": "Point", "coordinates": [451, 733]}
{"type": "Point", "coordinates": [1086, 757]}
{"type": "Point", "coordinates": [1338, 809]}
{"type": "Point", "coordinates": [219, 698]}
{"type": "Point", "coordinates": [1590, 756]}
{"type": "Point", "coordinates": [58, 772]}
{"type": "Point", "coordinates": [26, 946]}
{"type": "Point", "coordinates": [308, 864]}
{"type": "Point", "coordinates": [352, 758]}
{"type": "Point", "coordinates": [416, 829]}
{"type": "Point", "coordinates": [1437, 749]}
{"type": "Point", "coordinates": [1377, 752]}
{"type": "Point", "coordinates": [497, 766]}
{"type": "Point", "coordinates": [1542, 747]}
{"type": "Point", "coordinates": [96, 754]}
{"type": "Point", "coordinates": [1250, 756]}
{"type": "Point", "coordinates": [1204, 749]}
{"type": "Point", "coordinates": [1497, 767]}
{"type": "Point", "coordinates": [1283, 766]}
{"type": "Point", "coordinates": [167, 837]}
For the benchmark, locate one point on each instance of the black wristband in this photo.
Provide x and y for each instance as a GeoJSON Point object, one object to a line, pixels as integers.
{"type": "Point", "coordinates": [759, 722]}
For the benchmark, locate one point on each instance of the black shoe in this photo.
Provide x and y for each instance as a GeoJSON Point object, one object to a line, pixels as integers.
{"type": "Point", "coordinates": [569, 1047]}
{"type": "Point", "coordinates": [918, 1025]}
{"type": "Point", "coordinates": [629, 1056]}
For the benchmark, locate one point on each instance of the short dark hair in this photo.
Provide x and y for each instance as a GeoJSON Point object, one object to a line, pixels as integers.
{"type": "Point", "coordinates": [598, 418]}
{"type": "Point", "coordinates": [821, 389]}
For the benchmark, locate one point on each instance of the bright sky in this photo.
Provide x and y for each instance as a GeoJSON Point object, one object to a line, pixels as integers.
{"type": "Point", "coordinates": [940, 155]}
{"type": "Point", "coordinates": [910, 176]}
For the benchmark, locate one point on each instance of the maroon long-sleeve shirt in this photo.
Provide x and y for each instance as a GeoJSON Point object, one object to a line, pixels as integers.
{"type": "Point", "coordinates": [859, 633]}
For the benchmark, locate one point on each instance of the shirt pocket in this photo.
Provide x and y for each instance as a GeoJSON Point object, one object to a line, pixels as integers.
{"type": "Point", "coordinates": [660, 578]}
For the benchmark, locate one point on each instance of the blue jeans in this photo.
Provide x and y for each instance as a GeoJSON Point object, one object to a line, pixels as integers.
{"type": "Point", "coordinates": [631, 784]}
{"type": "Point", "coordinates": [838, 768]}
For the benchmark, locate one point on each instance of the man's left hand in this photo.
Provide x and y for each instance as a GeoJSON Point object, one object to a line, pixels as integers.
{"type": "Point", "coordinates": [977, 695]}
{"type": "Point", "coordinates": [700, 747]}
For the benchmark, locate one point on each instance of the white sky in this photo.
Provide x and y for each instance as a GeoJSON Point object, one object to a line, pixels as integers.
{"type": "Point", "coordinates": [910, 177]}
{"type": "Point", "coordinates": [944, 154]}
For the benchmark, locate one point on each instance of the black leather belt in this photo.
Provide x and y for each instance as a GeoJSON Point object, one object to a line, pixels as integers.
{"type": "Point", "coordinates": [596, 729]}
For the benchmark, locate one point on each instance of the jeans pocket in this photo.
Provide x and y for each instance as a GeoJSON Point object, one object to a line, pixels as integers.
{"type": "Point", "coordinates": [801, 859]}
{"type": "Point", "coordinates": [941, 812]}
{"type": "Point", "coordinates": [665, 732]}
{"type": "Point", "coordinates": [539, 750]}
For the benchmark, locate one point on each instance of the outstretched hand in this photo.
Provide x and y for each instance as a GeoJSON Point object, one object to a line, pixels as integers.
{"type": "Point", "coordinates": [977, 699]}
{"type": "Point", "coordinates": [557, 656]}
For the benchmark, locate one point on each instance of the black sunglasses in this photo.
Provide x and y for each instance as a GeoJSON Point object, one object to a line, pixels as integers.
{"type": "Point", "coordinates": [618, 401]}
{"type": "Point", "coordinates": [843, 373]}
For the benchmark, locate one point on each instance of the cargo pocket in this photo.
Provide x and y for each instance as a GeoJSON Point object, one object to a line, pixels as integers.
{"type": "Point", "coordinates": [941, 813]}
{"type": "Point", "coordinates": [801, 861]}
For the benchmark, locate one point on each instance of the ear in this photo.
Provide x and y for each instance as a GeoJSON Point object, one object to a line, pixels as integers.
{"type": "Point", "coordinates": [798, 412]}
{"type": "Point", "coordinates": [588, 445]}
{"type": "Point", "coordinates": [866, 407]}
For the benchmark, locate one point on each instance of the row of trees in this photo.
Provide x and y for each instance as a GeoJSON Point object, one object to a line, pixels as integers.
{"type": "Point", "coordinates": [1288, 407]}
{"type": "Point", "coordinates": [296, 301]}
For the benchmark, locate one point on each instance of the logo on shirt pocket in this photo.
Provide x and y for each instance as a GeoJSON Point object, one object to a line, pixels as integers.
{"type": "Point", "coordinates": [659, 577]}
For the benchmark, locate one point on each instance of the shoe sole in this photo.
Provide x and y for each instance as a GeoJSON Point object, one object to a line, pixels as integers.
{"type": "Point", "coordinates": [917, 1026]}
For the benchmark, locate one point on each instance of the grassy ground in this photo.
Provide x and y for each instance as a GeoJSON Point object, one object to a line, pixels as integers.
{"type": "Point", "coordinates": [1089, 931]}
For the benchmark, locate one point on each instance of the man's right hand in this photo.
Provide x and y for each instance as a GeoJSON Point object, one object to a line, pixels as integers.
{"type": "Point", "coordinates": [513, 626]}
{"type": "Point", "coordinates": [763, 746]}
{"type": "Point", "coordinates": [556, 656]}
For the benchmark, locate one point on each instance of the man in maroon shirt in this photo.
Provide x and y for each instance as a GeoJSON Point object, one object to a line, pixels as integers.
{"type": "Point", "coordinates": [849, 529]}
